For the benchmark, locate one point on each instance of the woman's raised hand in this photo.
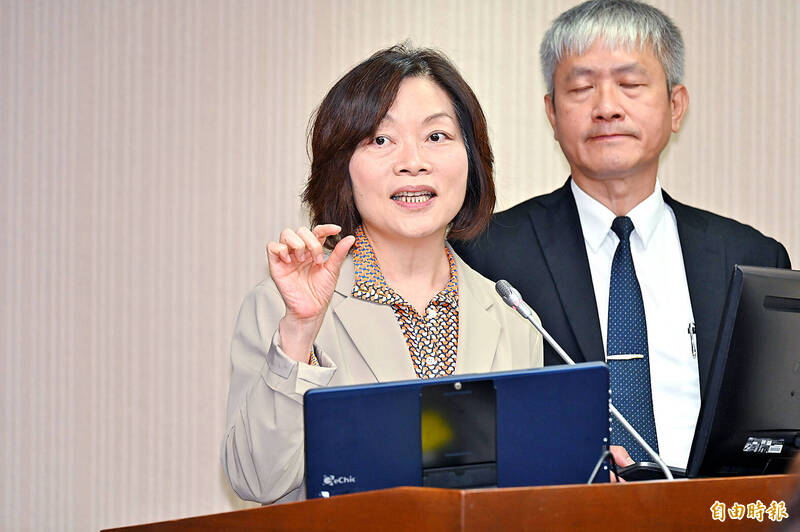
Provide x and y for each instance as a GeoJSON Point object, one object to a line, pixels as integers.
{"type": "Point", "coordinates": [305, 280]}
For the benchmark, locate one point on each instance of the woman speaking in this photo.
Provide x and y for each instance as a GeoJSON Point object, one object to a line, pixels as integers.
{"type": "Point", "coordinates": [400, 162]}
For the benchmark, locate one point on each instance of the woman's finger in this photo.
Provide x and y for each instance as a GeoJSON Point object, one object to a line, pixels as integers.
{"type": "Point", "coordinates": [337, 256]}
{"type": "Point", "coordinates": [323, 231]}
{"type": "Point", "coordinates": [280, 251]}
{"type": "Point", "coordinates": [295, 243]}
{"type": "Point", "coordinates": [312, 244]}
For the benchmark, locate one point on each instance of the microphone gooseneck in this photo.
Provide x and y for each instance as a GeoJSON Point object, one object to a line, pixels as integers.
{"type": "Point", "coordinates": [513, 299]}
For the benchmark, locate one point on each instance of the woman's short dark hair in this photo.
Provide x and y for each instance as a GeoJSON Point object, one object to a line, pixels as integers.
{"type": "Point", "coordinates": [352, 111]}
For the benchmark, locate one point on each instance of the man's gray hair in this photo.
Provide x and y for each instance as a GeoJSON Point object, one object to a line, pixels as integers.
{"type": "Point", "coordinates": [621, 24]}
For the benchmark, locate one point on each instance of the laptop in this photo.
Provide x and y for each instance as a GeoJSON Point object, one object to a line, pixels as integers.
{"type": "Point", "coordinates": [517, 428]}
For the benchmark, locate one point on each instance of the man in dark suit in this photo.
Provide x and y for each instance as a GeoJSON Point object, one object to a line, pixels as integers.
{"type": "Point", "coordinates": [613, 69]}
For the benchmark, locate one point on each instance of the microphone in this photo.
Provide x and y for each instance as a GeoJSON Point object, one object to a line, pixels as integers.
{"type": "Point", "coordinates": [513, 299]}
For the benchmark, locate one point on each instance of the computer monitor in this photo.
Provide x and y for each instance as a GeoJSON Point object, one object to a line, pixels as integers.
{"type": "Point", "coordinates": [749, 420]}
{"type": "Point", "coordinates": [513, 428]}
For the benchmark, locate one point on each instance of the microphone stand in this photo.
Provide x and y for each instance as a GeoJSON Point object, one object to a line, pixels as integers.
{"type": "Point", "coordinates": [513, 299]}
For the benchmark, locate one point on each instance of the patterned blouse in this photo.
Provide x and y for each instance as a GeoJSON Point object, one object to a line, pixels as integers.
{"type": "Point", "coordinates": [432, 338]}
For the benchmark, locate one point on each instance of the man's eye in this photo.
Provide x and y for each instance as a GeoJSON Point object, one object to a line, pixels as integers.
{"type": "Point", "coordinates": [380, 140]}
{"type": "Point", "coordinates": [579, 90]}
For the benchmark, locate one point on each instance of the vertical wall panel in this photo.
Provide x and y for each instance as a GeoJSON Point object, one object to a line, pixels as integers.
{"type": "Point", "coordinates": [149, 149]}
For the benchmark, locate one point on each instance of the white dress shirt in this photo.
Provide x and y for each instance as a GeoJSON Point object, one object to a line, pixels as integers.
{"type": "Point", "coordinates": [658, 260]}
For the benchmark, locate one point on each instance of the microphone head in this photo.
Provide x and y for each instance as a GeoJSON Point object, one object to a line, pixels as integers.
{"type": "Point", "coordinates": [504, 288]}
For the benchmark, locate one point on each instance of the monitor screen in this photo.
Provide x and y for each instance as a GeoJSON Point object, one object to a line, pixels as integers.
{"type": "Point", "coordinates": [749, 421]}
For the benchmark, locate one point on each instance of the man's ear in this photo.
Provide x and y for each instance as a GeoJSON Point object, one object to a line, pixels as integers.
{"type": "Point", "coordinates": [679, 104]}
{"type": "Point", "coordinates": [550, 110]}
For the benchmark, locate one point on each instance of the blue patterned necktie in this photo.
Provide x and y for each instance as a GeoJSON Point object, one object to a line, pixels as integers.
{"type": "Point", "coordinates": [627, 335]}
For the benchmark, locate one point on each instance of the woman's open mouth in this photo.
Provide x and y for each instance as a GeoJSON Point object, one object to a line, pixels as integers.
{"type": "Point", "coordinates": [413, 197]}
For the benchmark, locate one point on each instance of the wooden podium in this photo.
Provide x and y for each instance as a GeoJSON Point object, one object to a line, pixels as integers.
{"type": "Point", "coordinates": [663, 505]}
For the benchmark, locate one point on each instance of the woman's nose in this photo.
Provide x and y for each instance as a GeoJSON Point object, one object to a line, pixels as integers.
{"type": "Point", "coordinates": [410, 160]}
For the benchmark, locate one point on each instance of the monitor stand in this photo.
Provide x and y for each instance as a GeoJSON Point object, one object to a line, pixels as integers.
{"type": "Point", "coordinates": [458, 422]}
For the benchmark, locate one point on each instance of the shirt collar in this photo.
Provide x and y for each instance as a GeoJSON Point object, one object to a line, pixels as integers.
{"type": "Point", "coordinates": [596, 218]}
{"type": "Point", "coordinates": [370, 283]}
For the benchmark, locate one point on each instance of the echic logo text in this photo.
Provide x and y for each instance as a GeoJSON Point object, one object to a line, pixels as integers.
{"type": "Point", "coordinates": [333, 480]}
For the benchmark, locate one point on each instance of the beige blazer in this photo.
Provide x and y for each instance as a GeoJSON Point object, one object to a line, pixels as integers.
{"type": "Point", "coordinates": [359, 342]}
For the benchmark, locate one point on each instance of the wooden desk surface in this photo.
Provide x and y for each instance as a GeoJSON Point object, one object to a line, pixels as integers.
{"type": "Point", "coordinates": [655, 505]}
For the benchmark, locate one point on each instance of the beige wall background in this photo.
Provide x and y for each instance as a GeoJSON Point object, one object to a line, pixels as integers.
{"type": "Point", "coordinates": [149, 149]}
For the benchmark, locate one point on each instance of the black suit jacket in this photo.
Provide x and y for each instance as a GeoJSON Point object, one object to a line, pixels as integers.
{"type": "Point", "coordinates": [538, 247]}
